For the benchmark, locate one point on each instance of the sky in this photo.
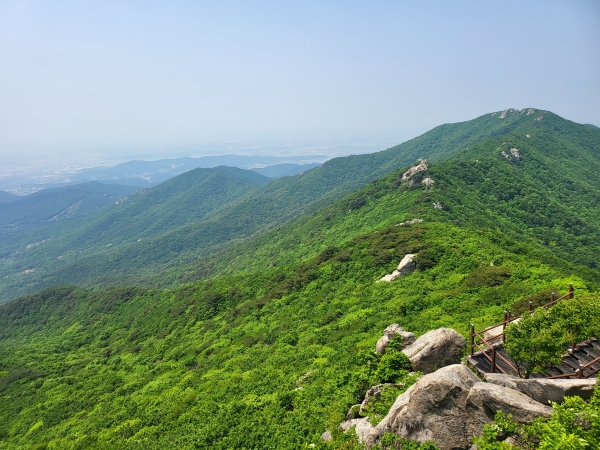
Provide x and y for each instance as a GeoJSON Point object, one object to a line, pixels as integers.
{"type": "Point", "coordinates": [113, 76]}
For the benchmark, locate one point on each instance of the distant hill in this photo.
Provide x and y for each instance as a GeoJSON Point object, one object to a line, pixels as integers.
{"type": "Point", "coordinates": [159, 260]}
{"type": "Point", "coordinates": [151, 173]}
{"type": "Point", "coordinates": [6, 197]}
{"type": "Point", "coordinates": [285, 170]}
{"type": "Point", "coordinates": [57, 204]}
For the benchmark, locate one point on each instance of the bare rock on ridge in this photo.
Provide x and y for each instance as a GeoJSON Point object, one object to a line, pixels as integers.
{"type": "Point", "coordinates": [415, 169]}
{"type": "Point", "coordinates": [407, 265]}
{"type": "Point", "coordinates": [435, 349]}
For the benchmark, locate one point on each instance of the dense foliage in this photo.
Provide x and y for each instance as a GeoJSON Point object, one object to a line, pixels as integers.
{"type": "Point", "coordinates": [539, 340]}
{"type": "Point", "coordinates": [266, 360]}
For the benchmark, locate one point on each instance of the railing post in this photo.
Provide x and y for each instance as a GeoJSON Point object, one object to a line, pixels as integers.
{"type": "Point", "coordinates": [472, 337]}
{"type": "Point", "coordinates": [493, 359]}
{"type": "Point", "coordinates": [571, 290]}
{"type": "Point", "coordinates": [530, 307]}
{"type": "Point", "coordinates": [504, 325]}
{"type": "Point", "coordinates": [580, 372]}
{"type": "Point", "coordinates": [552, 297]}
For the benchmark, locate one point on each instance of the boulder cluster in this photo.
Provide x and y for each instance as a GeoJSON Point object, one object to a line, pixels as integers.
{"type": "Point", "coordinates": [450, 404]}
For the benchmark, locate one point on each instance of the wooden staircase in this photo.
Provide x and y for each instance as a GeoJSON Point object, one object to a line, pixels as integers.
{"type": "Point", "coordinates": [487, 354]}
{"type": "Point", "coordinates": [582, 362]}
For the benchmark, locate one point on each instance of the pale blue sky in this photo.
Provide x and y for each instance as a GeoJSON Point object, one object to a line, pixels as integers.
{"type": "Point", "coordinates": [78, 75]}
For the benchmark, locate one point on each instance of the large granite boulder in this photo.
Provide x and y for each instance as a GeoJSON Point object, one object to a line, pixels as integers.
{"type": "Point", "coordinates": [389, 333]}
{"type": "Point", "coordinates": [450, 406]}
{"type": "Point", "coordinates": [543, 390]}
{"type": "Point", "coordinates": [434, 408]}
{"type": "Point", "coordinates": [435, 349]}
{"type": "Point", "coordinates": [490, 398]}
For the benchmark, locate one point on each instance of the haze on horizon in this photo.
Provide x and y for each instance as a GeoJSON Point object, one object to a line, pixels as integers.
{"type": "Point", "coordinates": [103, 78]}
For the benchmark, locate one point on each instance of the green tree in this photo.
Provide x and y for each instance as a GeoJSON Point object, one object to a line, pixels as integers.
{"type": "Point", "coordinates": [535, 342]}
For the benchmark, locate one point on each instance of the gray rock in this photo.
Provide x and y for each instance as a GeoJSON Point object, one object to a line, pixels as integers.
{"type": "Point", "coordinates": [450, 406]}
{"type": "Point", "coordinates": [501, 380]}
{"type": "Point", "coordinates": [543, 390]}
{"type": "Point", "coordinates": [363, 427]}
{"type": "Point", "coordinates": [406, 266]}
{"type": "Point", "coordinates": [434, 408]}
{"type": "Point", "coordinates": [327, 436]}
{"type": "Point", "coordinates": [415, 169]}
{"type": "Point", "coordinates": [435, 349]}
{"type": "Point", "coordinates": [490, 398]}
{"type": "Point", "coordinates": [389, 333]}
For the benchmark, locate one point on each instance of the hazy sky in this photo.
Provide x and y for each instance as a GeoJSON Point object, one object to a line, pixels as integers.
{"type": "Point", "coordinates": [81, 75]}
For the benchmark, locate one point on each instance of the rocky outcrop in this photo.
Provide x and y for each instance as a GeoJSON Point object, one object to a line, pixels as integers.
{"type": "Point", "coordinates": [389, 333]}
{"type": "Point", "coordinates": [488, 399]}
{"type": "Point", "coordinates": [363, 427]}
{"type": "Point", "coordinates": [407, 265]}
{"type": "Point", "coordinates": [434, 408]}
{"type": "Point", "coordinates": [415, 169]}
{"type": "Point", "coordinates": [450, 406]}
{"type": "Point", "coordinates": [409, 222]}
{"type": "Point", "coordinates": [428, 182]}
{"type": "Point", "coordinates": [513, 153]}
{"type": "Point", "coordinates": [543, 390]}
{"type": "Point", "coordinates": [435, 349]}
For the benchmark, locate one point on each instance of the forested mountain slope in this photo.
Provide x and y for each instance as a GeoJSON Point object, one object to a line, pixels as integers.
{"type": "Point", "coordinates": [270, 206]}
{"type": "Point", "coordinates": [546, 192]}
{"type": "Point", "coordinates": [268, 359]}
{"type": "Point", "coordinates": [143, 214]}
{"type": "Point", "coordinates": [58, 204]}
{"type": "Point", "coordinates": [6, 197]}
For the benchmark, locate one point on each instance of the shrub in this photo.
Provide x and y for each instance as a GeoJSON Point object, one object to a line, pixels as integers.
{"type": "Point", "coordinates": [538, 299]}
{"type": "Point", "coordinates": [488, 276]}
{"type": "Point", "coordinates": [424, 260]}
{"type": "Point", "coordinates": [392, 366]}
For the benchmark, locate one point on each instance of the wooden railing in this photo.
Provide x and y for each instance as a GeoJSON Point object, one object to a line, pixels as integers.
{"type": "Point", "coordinates": [483, 344]}
{"type": "Point", "coordinates": [494, 354]}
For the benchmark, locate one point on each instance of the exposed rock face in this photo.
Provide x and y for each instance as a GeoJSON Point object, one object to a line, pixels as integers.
{"type": "Point", "coordinates": [428, 182]}
{"type": "Point", "coordinates": [450, 406]}
{"type": "Point", "coordinates": [513, 153]}
{"type": "Point", "coordinates": [489, 398]}
{"type": "Point", "coordinates": [415, 169]}
{"type": "Point", "coordinates": [435, 349]}
{"type": "Point", "coordinates": [434, 408]}
{"type": "Point", "coordinates": [327, 436]}
{"type": "Point", "coordinates": [543, 390]}
{"type": "Point", "coordinates": [437, 205]}
{"type": "Point", "coordinates": [389, 333]}
{"type": "Point", "coordinates": [363, 427]}
{"type": "Point", "coordinates": [409, 222]}
{"type": "Point", "coordinates": [407, 265]}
